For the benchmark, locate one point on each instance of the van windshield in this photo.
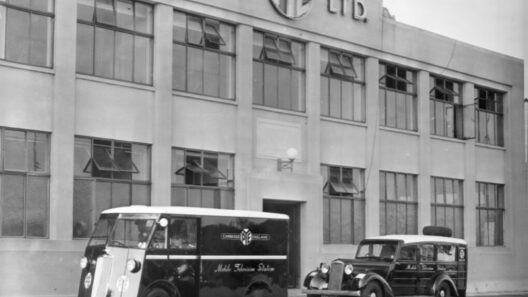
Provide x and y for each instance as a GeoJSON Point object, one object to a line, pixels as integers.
{"type": "Point", "coordinates": [102, 231]}
{"type": "Point", "coordinates": [132, 233]}
{"type": "Point", "coordinates": [376, 250]}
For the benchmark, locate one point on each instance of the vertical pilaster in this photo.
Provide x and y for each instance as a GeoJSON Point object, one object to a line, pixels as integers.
{"type": "Point", "coordinates": [469, 170]}
{"type": "Point", "coordinates": [162, 126]}
{"type": "Point", "coordinates": [372, 179]}
{"type": "Point", "coordinates": [244, 133]}
{"type": "Point", "coordinates": [313, 108]}
{"type": "Point", "coordinates": [424, 162]}
{"type": "Point", "coordinates": [63, 129]}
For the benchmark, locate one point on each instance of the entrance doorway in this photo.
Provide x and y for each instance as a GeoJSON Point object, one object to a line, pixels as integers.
{"type": "Point", "coordinates": [292, 209]}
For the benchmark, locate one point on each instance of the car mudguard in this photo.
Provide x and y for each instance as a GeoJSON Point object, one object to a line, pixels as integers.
{"type": "Point", "coordinates": [309, 277]}
{"type": "Point", "coordinates": [364, 278]}
{"type": "Point", "coordinates": [163, 284]}
{"type": "Point", "coordinates": [442, 277]}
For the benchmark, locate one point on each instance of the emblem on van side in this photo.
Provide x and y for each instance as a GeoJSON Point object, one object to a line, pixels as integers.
{"type": "Point", "coordinates": [245, 236]}
{"type": "Point", "coordinates": [292, 9]}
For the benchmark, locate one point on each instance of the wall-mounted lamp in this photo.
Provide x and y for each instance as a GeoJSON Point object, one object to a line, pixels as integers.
{"type": "Point", "coordinates": [291, 153]}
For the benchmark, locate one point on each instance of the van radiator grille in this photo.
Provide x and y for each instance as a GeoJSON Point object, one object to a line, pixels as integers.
{"type": "Point", "coordinates": [336, 275]}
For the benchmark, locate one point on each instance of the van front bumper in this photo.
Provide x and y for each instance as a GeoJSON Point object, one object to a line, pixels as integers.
{"type": "Point", "coordinates": [330, 292]}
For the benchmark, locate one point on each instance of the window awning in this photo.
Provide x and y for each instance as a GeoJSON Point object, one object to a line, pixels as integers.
{"type": "Point", "coordinates": [103, 161]}
{"type": "Point", "coordinates": [194, 167]}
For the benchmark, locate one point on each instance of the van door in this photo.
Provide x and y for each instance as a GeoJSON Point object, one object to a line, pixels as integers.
{"type": "Point", "coordinates": [405, 276]}
{"type": "Point", "coordinates": [184, 262]}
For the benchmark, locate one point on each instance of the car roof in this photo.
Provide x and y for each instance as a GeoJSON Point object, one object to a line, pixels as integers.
{"type": "Point", "coordinates": [194, 211]}
{"type": "Point", "coordinates": [407, 239]}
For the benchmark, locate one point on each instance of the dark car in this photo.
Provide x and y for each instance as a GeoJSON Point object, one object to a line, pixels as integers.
{"type": "Point", "coordinates": [396, 265]}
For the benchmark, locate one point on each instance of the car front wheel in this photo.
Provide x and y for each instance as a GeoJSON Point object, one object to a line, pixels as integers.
{"type": "Point", "coordinates": [372, 289]}
{"type": "Point", "coordinates": [443, 291]}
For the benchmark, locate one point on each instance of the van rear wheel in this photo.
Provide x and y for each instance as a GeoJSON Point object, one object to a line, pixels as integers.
{"type": "Point", "coordinates": [443, 290]}
{"type": "Point", "coordinates": [372, 289]}
{"type": "Point", "coordinates": [157, 292]}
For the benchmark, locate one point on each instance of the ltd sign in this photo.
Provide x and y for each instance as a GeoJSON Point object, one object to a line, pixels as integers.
{"type": "Point", "coordinates": [296, 9]}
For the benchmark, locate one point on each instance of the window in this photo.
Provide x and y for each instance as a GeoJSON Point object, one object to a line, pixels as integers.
{"type": "Point", "coordinates": [427, 253]}
{"type": "Point", "coordinates": [447, 207]}
{"type": "Point", "coordinates": [342, 85]}
{"type": "Point", "coordinates": [398, 203]}
{"type": "Point", "coordinates": [278, 72]}
{"type": "Point", "coordinates": [408, 253]}
{"type": "Point", "coordinates": [114, 39]}
{"type": "Point", "coordinates": [446, 253]}
{"type": "Point", "coordinates": [343, 204]}
{"type": "Point", "coordinates": [489, 112]}
{"type": "Point", "coordinates": [490, 214]}
{"type": "Point", "coordinates": [26, 31]}
{"type": "Point", "coordinates": [183, 234]}
{"type": "Point", "coordinates": [203, 56]}
{"type": "Point", "coordinates": [397, 97]}
{"type": "Point", "coordinates": [108, 173]}
{"type": "Point", "coordinates": [24, 183]}
{"type": "Point", "coordinates": [446, 110]}
{"type": "Point", "coordinates": [202, 179]}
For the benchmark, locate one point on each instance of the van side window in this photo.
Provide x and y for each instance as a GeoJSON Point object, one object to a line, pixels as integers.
{"type": "Point", "coordinates": [408, 253]}
{"type": "Point", "coordinates": [427, 252]}
{"type": "Point", "coordinates": [182, 234]}
{"type": "Point", "coordinates": [445, 253]}
{"type": "Point", "coordinates": [158, 239]}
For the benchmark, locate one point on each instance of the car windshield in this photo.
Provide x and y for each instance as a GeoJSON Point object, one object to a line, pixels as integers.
{"type": "Point", "coordinates": [132, 232]}
{"type": "Point", "coordinates": [376, 250]}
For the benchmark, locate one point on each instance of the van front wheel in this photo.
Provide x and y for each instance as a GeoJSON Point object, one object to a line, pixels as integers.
{"type": "Point", "coordinates": [157, 292]}
{"type": "Point", "coordinates": [372, 289]}
{"type": "Point", "coordinates": [443, 290]}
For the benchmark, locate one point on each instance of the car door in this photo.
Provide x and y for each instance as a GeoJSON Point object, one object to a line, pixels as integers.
{"type": "Point", "coordinates": [405, 275]}
{"type": "Point", "coordinates": [427, 267]}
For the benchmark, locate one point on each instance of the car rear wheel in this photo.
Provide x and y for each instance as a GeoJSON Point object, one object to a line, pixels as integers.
{"type": "Point", "coordinates": [443, 290]}
{"type": "Point", "coordinates": [157, 292]}
{"type": "Point", "coordinates": [372, 289]}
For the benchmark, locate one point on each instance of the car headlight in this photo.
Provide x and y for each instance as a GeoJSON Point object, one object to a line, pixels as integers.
{"type": "Point", "coordinates": [324, 268]}
{"type": "Point", "coordinates": [83, 263]}
{"type": "Point", "coordinates": [133, 265]}
{"type": "Point", "coordinates": [348, 269]}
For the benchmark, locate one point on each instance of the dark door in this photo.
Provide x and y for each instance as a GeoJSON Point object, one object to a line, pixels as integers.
{"type": "Point", "coordinates": [292, 209]}
{"type": "Point", "coordinates": [405, 276]}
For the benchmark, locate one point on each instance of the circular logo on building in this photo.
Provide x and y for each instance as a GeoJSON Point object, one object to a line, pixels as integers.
{"type": "Point", "coordinates": [292, 9]}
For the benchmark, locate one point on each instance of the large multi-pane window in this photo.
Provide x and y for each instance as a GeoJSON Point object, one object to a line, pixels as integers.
{"type": "Point", "coordinates": [447, 205]}
{"type": "Point", "coordinates": [398, 203]}
{"type": "Point", "coordinates": [489, 112]}
{"type": "Point", "coordinates": [24, 183]}
{"type": "Point", "coordinates": [202, 179]}
{"type": "Point", "coordinates": [203, 56]}
{"type": "Point", "coordinates": [278, 72]}
{"type": "Point", "coordinates": [446, 109]}
{"type": "Point", "coordinates": [108, 173]}
{"type": "Point", "coordinates": [490, 214]}
{"type": "Point", "coordinates": [397, 97]}
{"type": "Point", "coordinates": [342, 85]}
{"type": "Point", "coordinates": [26, 31]}
{"type": "Point", "coordinates": [343, 204]}
{"type": "Point", "coordinates": [115, 39]}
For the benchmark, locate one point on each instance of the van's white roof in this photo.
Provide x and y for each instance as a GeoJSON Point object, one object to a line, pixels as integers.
{"type": "Point", "coordinates": [419, 238]}
{"type": "Point", "coordinates": [197, 211]}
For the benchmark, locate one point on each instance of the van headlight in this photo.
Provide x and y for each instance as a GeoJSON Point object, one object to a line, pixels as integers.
{"type": "Point", "coordinates": [88, 280]}
{"type": "Point", "coordinates": [349, 269]}
{"type": "Point", "coordinates": [83, 263]}
{"type": "Point", "coordinates": [133, 265]}
{"type": "Point", "coordinates": [324, 268]}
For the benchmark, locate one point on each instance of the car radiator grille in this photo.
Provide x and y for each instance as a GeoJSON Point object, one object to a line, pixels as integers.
{"type": "Point", "coordinates": [336, 275]}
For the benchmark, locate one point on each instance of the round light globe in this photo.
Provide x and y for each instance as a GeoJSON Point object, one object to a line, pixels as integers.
{"type": "Point", "coordinates": [291, 153]}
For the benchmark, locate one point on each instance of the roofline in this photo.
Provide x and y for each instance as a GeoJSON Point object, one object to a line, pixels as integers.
{"type": "Point", "coordinates": [409, 238]}
{"type": "Point", "coordinates": [195, 211]}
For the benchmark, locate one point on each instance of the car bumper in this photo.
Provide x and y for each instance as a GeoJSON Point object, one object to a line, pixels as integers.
{"type": "Point", "coordinates": [330, 292]}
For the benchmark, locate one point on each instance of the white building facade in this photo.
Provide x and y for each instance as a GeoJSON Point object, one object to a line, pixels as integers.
{"type": "Point", "coordinates": [107, 103]}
